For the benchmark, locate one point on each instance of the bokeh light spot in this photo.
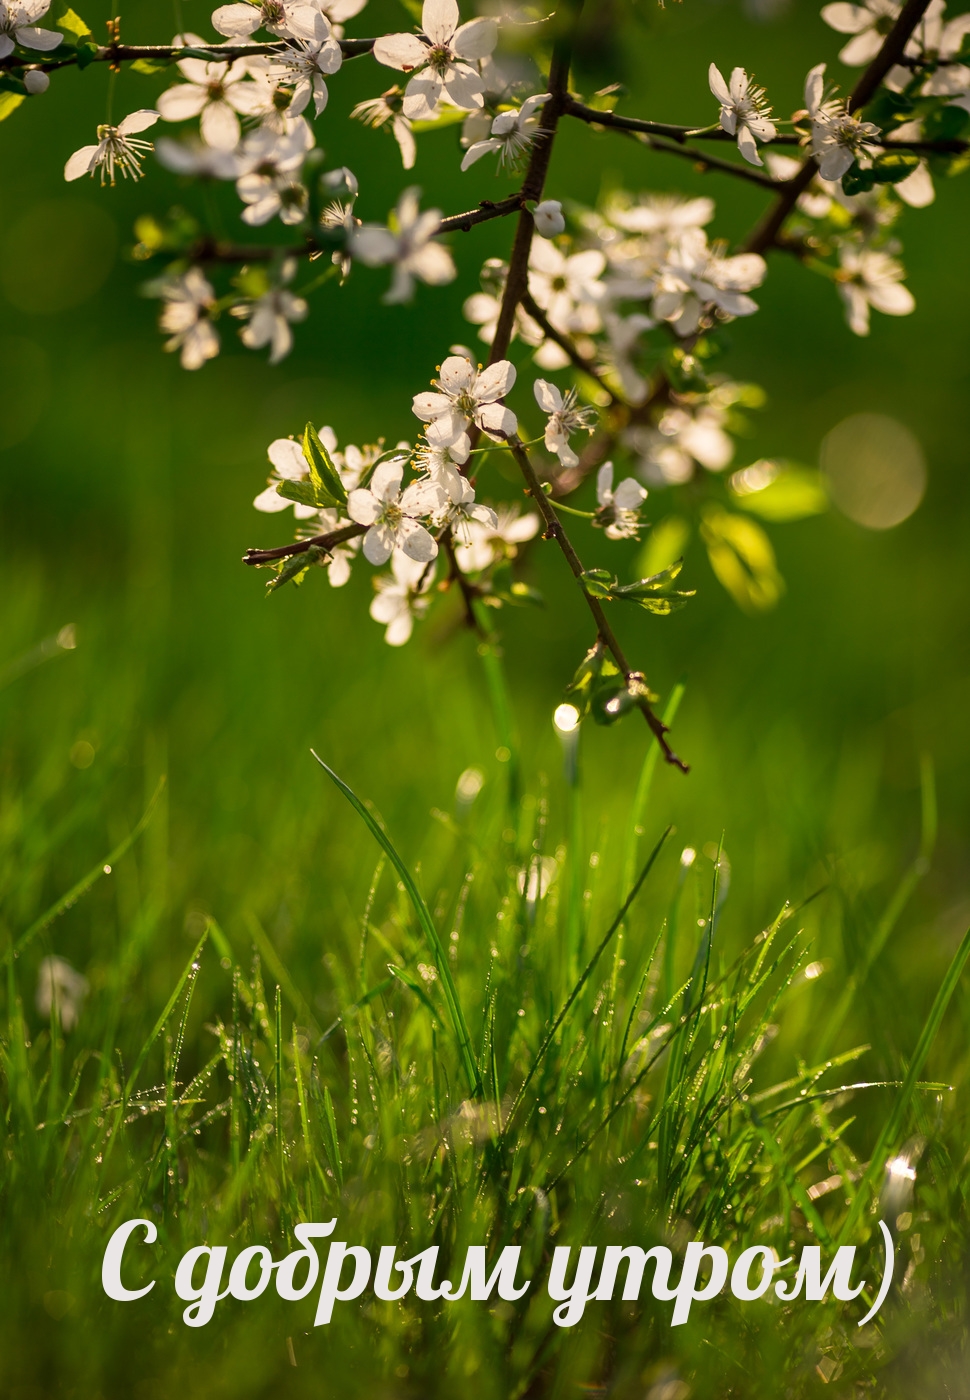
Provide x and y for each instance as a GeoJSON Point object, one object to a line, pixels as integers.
{"type": "Point", "coordinates": [57, 254]}
{"type": "Point", "coordinates": [875, 468]}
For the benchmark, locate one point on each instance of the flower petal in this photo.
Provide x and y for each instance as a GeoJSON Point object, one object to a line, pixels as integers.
{"type": "Point", "coordinates": [464, 87]}
{"type": "Point", "coordinates": [236, 21]}
{"type": "Point", "coordinates": [138, 121]}
{"type": "Point", "coordinates": [476, 39]}
{"type": "Point", "coordinates": [439, 20]}
{"type": "Point", "coordinates": [495, 381]}
{"type": "Point", "coordinates": [378, 543]}
{"type": "Point", "coordinates": [363, 507]}
{"type": "Point", "coordinates": [497, 420]}
{"type": "Point", "coordinates": [385, 484]}
{"type": "Point", "coordinates": [220, 126]}
{"type": "Point", "coordinates": [180, 103]}
{"type": "Point", "coordinates": [417, 543]}
{"type": "Point", "coordinates": [404, 52]}
{"type": "Point", "coordinates": [717, 84]}
{"type": "Point", "coordinates": [81, 162]}
{"type": "Point", "coordinates": [548, 396]}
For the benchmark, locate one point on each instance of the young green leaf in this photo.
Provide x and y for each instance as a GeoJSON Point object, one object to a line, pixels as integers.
{"type": "Point", "coordinates": [329, 488]}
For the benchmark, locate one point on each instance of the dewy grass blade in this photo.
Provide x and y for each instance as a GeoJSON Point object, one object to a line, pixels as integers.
{"type": "Point", "coordinates": [103, 867]}
{"type": "Point", "coordinates": [459, 1025]}
{"type": "Point", "coordinates": [170, 1005]}
{"type": "Point", "coordinates": [894, 1123]}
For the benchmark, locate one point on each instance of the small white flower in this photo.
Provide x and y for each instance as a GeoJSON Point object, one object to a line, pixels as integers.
{"type": "Point", "coordinates": [36, 81]}
{"type": "Point", "coordinates": [304, 64]}
{"type": "Point", "coordinates": [270, 316]}
{"type": "Point", "coordinates": [390, 516]}
{"type": "Point", "coordinates": [401, 597]}
{"type": "Point", "coordinates": [695, 276]}
{"type": "Point", "coordinates": [619, 509]}
{"type": "Point", "coordinates": [467, 395]}
{"type": "Point", "coordinates": [483, 308]}
{"type": "Point", "coordinates": [567, 288]}
{"type": "Point", "coordinates": [194, 157]}
{"type": "Point", "coordinates": [118, 148]}
{"type": "Point", "coordinates": [185, 317]}
{"type": "Point", "coordinates": [270, 184]}
{"type": "Point", "coordinates": [60, 987]}
{"type": "Point", "coordinates": [548, 218]}
{"type": "Point", "coordinates": [215, 92]}
{"type": "Point", "coordinates": [288, 19]}
{"type": "Point", "coordinates": [868, 23]}
{"type": "Point", "coordinates": [667, 214]}
{"type": "Point", "coordinates": [623, 335]}
{"type": "Point", "coordinates": [443, 55]}
{"type": "Point", "coordinates": [838, 138]}
{"type": "Point", "coordinates": [385, 111]}
{"type": "Point", "coordinates": [871, 278]}
{"type": "Point", "coordinates": [485, 545]}
{"type": "Point", "coordinates": [408, 244]}
{"type": "Point", "coordinates": [511, 135]}
{"type": "Point", "coordinates": [564, 418]}
{"type": "Point", "coordinates": [460, 509]}
{"type": "Point", "coordinates": [17, 26]}
{"type": "Point", "coordinates": [744, 111]}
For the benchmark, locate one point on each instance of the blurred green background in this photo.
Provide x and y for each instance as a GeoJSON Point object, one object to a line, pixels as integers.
{"type": "Point", "coordinates": [126, 490]}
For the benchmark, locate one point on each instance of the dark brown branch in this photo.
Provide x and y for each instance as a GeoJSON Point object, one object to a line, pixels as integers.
{"type": "Point", "coordinates": [327, 543]}
{"type": "Point", "coordinates": [554, 530]}
{"type": "Point", "coordinates": [169, 53]}
{"type": "Point", "coordinates": [532, 309]}
{"type": "Point", "coordinates": [766, 233]}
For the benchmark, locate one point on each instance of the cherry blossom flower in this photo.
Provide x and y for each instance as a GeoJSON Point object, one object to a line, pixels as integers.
{"type": "Point", "coordinates": [304, 64]}
{"type": "Point", "coordinates": [185, 317]}
{"type": "Point", "coordinates": [385, 111]}
{"type": "Point", "coordinates": [548, 218]}
{"type": "Point", "coordinates": [838, 138]}
{"type": "Point", "coordinates": [512, 133]}
{"type": "Point", "coordinates": [288, 19]}
{"type": "Point", "coordinates": [467, 395]}
{"type": "Point", "coordinates": [485, 545]}
{"type": "Point", "coordinates": [618, 510]}
{"type": "Point", "coordinates": [623, 334]}
{"type": "Point", "coordinates": [401, 597]}
{"type": "Point", "coordinates": [460, 510]}
{"type": "Point", "coordinates": [269, 184]}
{"type": "Point", "coordinates": [270, 315]}
{"type": "Point", "coordinates": [36, 81]}
{"type": "Point", "coordinates": [695, 276]}
{"type": "Point", "coordinates": [744, 111]}
{"type": "Point", "coordinates": [567, 288]}
{"type": "Point", "coordinates": [867, 278]}
{"type": "Point", "coordinates": [685, 435]}
{"type": "Point", "coordinates": [17, 26]}
{"type": "Point", "coordinates": [483, 309]}
{"type": "Point", "coordinates": [868, 23]}
{"type": "Point", "coordinates": [408, 244]}
{"type": "Point", "coordinates": [564, 418]}
{"type": "Point", "coordinates": [194, 157]}
{"type": "Point", "coordinates": [667, 214]}
{"type": "Point", "coordinates": [443, 58]}
{"type": "Point", "coordinates": [933, 38]}
{"type": "Point", "coordinates": [118, 148]}
{"type": "Point", "coordinates": [215, 92]}
{"type": "Point", "coordinates": [390, 516]}
{"type": "Point", "coordinates": [60, 988]}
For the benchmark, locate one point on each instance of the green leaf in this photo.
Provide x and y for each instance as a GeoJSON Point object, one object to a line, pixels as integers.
{"type": "Point", "coordinates": [742, 559]}
{"type": "Point", "coordinates": [303, 492]}
{"type": "Point", "coordinates": [788, 493]}
{"type": "Point", "coordinates": [87, 52]}
{"type": "Point", "coordinates": [329, 488]}
{"type": "Point", "coordinates": [148, 66]}
{"type": "Point", "coordinates": [9, 102]}
{"type": "Point", "coordinates": [293, 569]}
{"type": "Point", "coordinates": [74, 25]}
{"type": "Point", "coordinates": [598, 582]}
{"type": "Point", "coordinates": [893, 166]}
{"type": "Point", "coordinates": [856, 180]}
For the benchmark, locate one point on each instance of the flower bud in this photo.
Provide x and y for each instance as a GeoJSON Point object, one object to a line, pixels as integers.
{"type": "Point", "coordinates": [548, 218]}
{"type": "Point", "coordinates": [36, 81]}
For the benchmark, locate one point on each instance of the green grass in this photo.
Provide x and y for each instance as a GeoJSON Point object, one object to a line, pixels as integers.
{"type": "Point", "coordinates": [427, 1058]}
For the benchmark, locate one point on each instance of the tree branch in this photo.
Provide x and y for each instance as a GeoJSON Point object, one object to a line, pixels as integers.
{"type": "Point", "coordinates": [555, 531]}
{"type": "Point", "coordinates": [256, 557]}
{"type": "Point", "coordinates": [171, 53]}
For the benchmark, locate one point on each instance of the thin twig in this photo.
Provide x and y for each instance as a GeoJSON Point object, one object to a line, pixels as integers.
{"type": "Point", "coordinates": [171, 53]}
{"type": "Point", "coordinates": [327, 542]}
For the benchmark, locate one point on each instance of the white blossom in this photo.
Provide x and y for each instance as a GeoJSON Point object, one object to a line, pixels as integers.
{"type": "Point", "coordinates": [484, 544]}
{"type": "Point", "coordinates": [567, 288]}
{"type": "Point", "coordinates": [36, 81]}
{"type": "Point", "coordinates": [18, 26]}
{"type": "Point", "coordinates": [185, 317]}
{"type": "Point", "coordinates": [270, 164]}
{"type": "Point", "coordinates": [838, 138]}
{"type": "Point", "coordinates": [304, 64]}
{"type": "Point", "coordinates": [511, 135]}
{"type": "Point", "coordinates": [61, 988]}
{"type": "Point", "coordinates": [548, 218]}
{"type": "Point", "coordinates": [696, 276]}
{"type": "Point", "coordinates": [194, 157]}
{"type": "Point", "coordinates": [623, 334]}
{"type": "Point", "coordinates": [685, 435]}
{"type": "Point", "coordinates": [467, 395]}
{"type": "Point", "coordinates": [385, 111]}
{"type": "Point", "coordinates": [564, 418]}
{"type": "Point", "coordinates": [391, 516]}
{"type": "Point", "coordinates": [408, 244]}
{"type": "Point", "coordinates": [867, 278]}
{"type": "Point", "coordinates": [934, 39]}
{"type": "Point", "coordinates": [288, 19]}
{"type": "Point", "coordinates": [618, 510]}
{"type": "Point", "coordinates": [460, 509]}
{"type": "Point", "coordinates": [667, 214]}
{"type": "Point", "coordinates": [441, 59]}
{"type": "Point", "coordinates": [118, 148]}
{"type": "Point", "coordinates": [744, 111]}
{"type": "Point", "coordinates": [216, 92]}
{"type": "Point", "coordinates": [401, 596]}
{"type": "Point", "coordinates": [868, 23]}
{"type": "Point", "coordinates": [270, 315]}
